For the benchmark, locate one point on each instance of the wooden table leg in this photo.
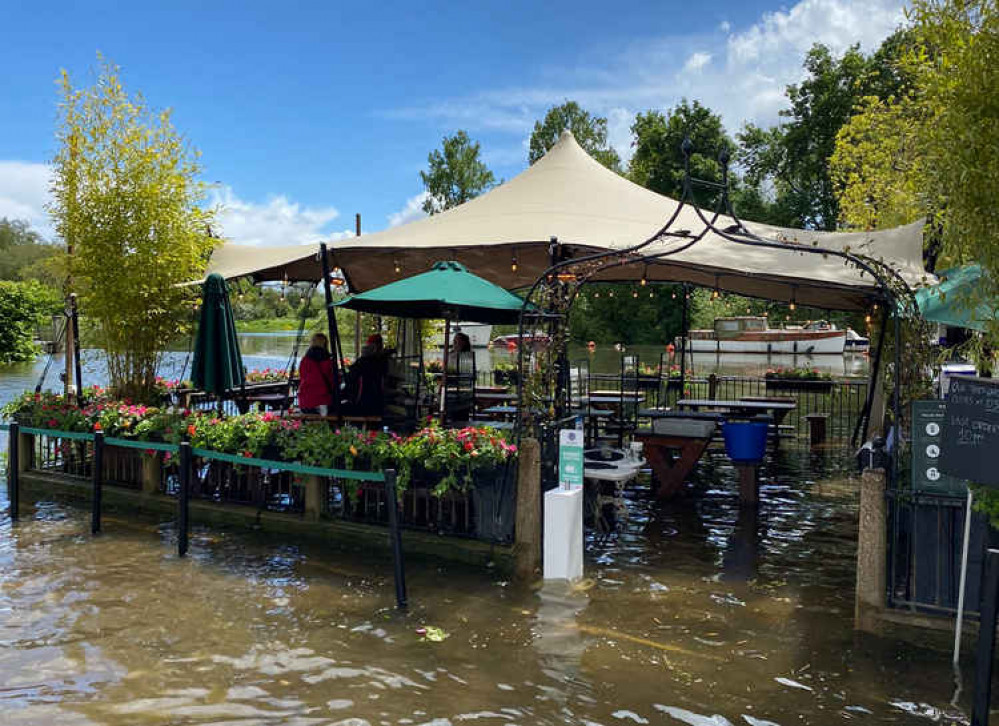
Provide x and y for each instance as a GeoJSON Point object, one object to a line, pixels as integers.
{"type": "Point", "coordinates": [671, 472]}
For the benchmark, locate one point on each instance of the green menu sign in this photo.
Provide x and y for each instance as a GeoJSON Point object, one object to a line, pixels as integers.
{"type": "Point", "coordinates": [570, 458]}
{"type": "Point", "coordinates": [928, 421]}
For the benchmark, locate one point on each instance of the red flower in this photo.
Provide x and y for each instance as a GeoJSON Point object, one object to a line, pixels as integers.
{"type": "Point", "coordinates": [97, 426]}
{"type": "Point", "coordinates": [469, 446]}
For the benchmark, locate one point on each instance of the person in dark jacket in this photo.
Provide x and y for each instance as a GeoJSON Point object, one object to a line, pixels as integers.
{"type": "Point", "coordinates": [317, 382]}
{"type": "Point", "coordinates": [366, 380]}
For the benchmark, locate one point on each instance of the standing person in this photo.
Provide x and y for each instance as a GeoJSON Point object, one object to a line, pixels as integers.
{"type": "Point", "coordinates": [366, 379]}
{"type": "Point", "coordinates": [316, 389]}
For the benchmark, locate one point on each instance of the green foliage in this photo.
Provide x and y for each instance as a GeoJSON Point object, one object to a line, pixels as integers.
{"type": "Point", "coordinates": [127, 202]}
{"type": "Point", "coordinates": [26, 256]}
{"type": "Point", "coordinates": [624, 313]}
{"type": "Point", "coordinates": [23, 305]}
{"type": "Point", "coordinates": [450, 456]}
{"type": "Point", "coordinates": [658, 160]}
{"type": "Point", "coordinates": [590, 132]}
{"type": "Point", "coordinates": [455, 174]}
{"type": "Point", "coordinates": [793, 157]}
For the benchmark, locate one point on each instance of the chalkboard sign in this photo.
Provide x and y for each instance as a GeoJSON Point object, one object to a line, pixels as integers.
{"type": "Point", "coordinates": [927, 433]}
{"type": "Point", "coordinates": [969, 448]}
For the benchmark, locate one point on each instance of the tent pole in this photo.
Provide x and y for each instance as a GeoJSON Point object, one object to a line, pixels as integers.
{"type": "Point", "coordinates": [684, 323]}
{"type": "Point", "coordinates": [331, 324]}
{"type": "Point", "coordinates": [447, 338]}
{"type": "Point", "coordinates": [357, 315]}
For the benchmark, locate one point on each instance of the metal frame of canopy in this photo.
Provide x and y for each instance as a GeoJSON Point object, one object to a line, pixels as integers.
{"type": "Point", "coordinates": [557, 287]}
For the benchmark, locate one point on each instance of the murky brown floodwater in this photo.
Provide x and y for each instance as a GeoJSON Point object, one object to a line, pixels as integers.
{"type": "Point", "coordinates": [691, 615]}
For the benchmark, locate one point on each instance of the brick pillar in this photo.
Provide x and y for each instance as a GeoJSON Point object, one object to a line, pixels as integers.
{"type": "Point", "coordinates": [872, 551]}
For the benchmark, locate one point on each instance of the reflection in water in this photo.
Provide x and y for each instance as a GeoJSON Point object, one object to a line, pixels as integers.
{"type": "Point", "coordinates": [691, 613]}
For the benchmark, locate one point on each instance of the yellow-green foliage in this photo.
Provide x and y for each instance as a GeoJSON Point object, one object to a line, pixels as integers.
{"type": "Point", "coordinates": [127, 200]}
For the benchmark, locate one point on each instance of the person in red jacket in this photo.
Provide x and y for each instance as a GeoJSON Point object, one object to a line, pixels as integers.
{"type": "Point", "coordinates": [317, 382]}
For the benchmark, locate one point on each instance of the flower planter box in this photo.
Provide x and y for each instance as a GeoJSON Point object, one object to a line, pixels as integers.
{"type": "Point", "coordinates": [792, 384]}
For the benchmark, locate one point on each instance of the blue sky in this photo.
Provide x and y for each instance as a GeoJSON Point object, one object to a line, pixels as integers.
{"type": "Point", "coordinates": [306, 113]}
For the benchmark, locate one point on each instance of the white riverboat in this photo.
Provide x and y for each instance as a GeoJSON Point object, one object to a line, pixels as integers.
{"type": "Point", "coordinates": [753, 334]}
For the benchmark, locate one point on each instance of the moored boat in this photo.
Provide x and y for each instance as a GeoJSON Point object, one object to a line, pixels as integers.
{"type": "Point", "coordinates": [753, 334]}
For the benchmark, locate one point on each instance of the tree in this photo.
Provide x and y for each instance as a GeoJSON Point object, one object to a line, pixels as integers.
{"type": "Point", "coordinates": [128, 203]}
{"type": "Point", "coordinates": [590, 132]}
{"type": "Point", "coordinates": [23, 305]}
{"type": "Point", "coordinates": [658, 160]}
{"type": "Point", "coordinates": [793, 157]}
{"type": "Point", "coordinates": [455, 174]}
{"type": "Point", "coordinates": [24, 252]}
{"type": "Point", "coordinates": [626, 313]}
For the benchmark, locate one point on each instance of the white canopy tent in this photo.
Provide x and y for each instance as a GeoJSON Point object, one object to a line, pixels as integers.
{"type": "Point", "coordinates": [504, 236]}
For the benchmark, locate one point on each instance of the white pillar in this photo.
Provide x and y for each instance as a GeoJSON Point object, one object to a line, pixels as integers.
{"type": "Point", "coordinates": [563, 538]}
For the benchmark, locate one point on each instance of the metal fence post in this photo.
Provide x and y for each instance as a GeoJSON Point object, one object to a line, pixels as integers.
{"type": "Point", "coordinates": [396, 536]}
{"type": "Point", "coordinates": [13, 470]}
{"type": "Point", "coordinates": [98, 474]}
{"type": "Point", "coordinates": [986, 639]}
{"type": "Point", "coordinates": [183, 498]}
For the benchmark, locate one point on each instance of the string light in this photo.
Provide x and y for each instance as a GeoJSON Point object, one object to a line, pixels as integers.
{"type": "Point", "coordinates": [715, 294]}
{"type": "Point", "coordinates": [513, 263]}
{"type": "Point", "coordinates": [610, 294]}
{"type": "Point", "coordinates": [867, 318]}
{"type": "Point", "coordinates": [673, 295]}
{"type": "Point", "coordinates": [596, 294]}
{"type": "Point", "coordinates": [792, 305]}
{"type": "Point", "coordinates": [634, 293]}
{"type": "Point", "coordinates": [398, 267]}
{"type": "Point", "coordinates": [651, 294]}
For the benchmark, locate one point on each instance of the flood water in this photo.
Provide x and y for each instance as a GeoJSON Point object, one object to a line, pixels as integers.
{"type": "Point", "coordinates": [691, 612]}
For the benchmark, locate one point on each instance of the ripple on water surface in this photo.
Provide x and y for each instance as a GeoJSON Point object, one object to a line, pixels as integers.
{"type": "Point", "coordinates": [695, 612]}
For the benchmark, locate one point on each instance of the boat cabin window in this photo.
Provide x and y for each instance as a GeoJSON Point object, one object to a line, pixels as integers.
{"type": "Point", "coordinates": [727, 325]}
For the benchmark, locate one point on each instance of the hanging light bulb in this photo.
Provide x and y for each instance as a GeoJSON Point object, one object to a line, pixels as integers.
{"type": "Point", "coordinates": [398, 267]}
{"type": "Point", "coordinates": [875, 306]}
{"type": "Point", "coordinates": [792, 305]}
{"type": "Point", "coordinates": [715, 294]}
{"type": "Point", "coordinates": [513, 263]}
{"type": "Point", "coordinates": [610, 294]}
{"type": "Point", "coordinates": [674, 295]}
{"type": "Point", "coordinates": [651, 294]}
{"type": "Point", "coordinates": [634, 293]}
{"type": "Point", "coordinates": [596, 294]}
{"type": "Point", "coordinates": [867, 318]}
{"type": "Point", "coordinates": [747, 310]}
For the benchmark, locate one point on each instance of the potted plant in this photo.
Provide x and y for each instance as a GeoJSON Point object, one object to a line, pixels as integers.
{"type": "Point", "coordinates": [505, 373]}
{"type": "Point", "coordinates": [798, 379]}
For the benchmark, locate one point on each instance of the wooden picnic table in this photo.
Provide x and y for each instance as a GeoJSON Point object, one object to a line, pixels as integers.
{"type": "Point", "coordinates": [739, 408]}
{"type": "Point", "coordinates": [673, 446]}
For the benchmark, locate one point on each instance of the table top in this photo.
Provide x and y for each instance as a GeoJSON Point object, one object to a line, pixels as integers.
{"type": "Point", "coordinates": [616, 394]}
{"type": "Point", "coordinates": [495, 396]}
{"type": "Point", "coordinates": [735, 405]}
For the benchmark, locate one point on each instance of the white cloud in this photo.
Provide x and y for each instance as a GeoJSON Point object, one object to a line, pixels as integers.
{"type": "Point", "coordinates": [740, 72]}
{"type": "Point", "coordinates": [24, 192]}
{"type": "Point", "coordinates": [696, 62]}
{"type": "Point", "coordinates": [279, 221]}
{"type": "Point", "coordinates": [410, 212]}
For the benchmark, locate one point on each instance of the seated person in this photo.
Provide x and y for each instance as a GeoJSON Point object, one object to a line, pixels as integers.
{"type": "Point", "coordinates": [316, 378]}
{"type": "Point", "coordinates": [365, 393]}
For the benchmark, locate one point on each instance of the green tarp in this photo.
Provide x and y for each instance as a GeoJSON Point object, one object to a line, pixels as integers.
{"type": "Point", "coordinates": [948, 302]}
{"type": "Point", "coordinates": [218, 365]}
{"type": "Point", "coordinates": [447, 291]}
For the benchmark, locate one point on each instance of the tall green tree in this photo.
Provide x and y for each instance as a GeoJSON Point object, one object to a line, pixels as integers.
{"type": "Point", "coordinates": [590, 132]}
{"type": "Point", "coordinates": [455, 174]}
{"type": "Point", "coordinates": [26, 256]}
{"type": "Point", "coordinates": [128, 202]}
{"type": "Point", "coordinates": [626, 313]}
{"type": "Point", "coordinates": [23, 305]}
{"type": "Point", "coordinates": [793, 158]}
{"type": "Point", "coordinates": [658, 162]}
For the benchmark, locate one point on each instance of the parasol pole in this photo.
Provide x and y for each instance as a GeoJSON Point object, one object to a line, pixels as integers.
{"type": "Point", "coordinates": [447, 338]}
{"type": "Point", "coordinates": [331, 323]}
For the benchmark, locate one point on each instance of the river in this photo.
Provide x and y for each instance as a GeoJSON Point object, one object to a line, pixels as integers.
{"type": "Point", "coordinates": [690, 613]}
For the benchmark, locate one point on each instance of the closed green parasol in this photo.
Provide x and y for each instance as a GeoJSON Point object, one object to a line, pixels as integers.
{"type": "Point", "coordinates": [956, 301]}
{"type": "Point", "coordinates": [218, 365]}
{"type": "Point", "coordinates": [447, 291]}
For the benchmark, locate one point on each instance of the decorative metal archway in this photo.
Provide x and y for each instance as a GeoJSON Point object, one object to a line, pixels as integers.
{"type": "Point", "coordinates": [543, 384]}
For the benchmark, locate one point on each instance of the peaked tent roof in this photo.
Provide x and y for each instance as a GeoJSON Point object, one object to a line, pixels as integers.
{"type": "Point", "coordinates": [587, 207]}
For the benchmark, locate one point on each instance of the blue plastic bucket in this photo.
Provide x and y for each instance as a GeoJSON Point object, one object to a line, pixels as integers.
{"type": "Point", "coordinates": [745, 441]}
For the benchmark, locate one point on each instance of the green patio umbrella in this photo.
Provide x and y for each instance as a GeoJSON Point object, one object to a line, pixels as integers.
{"type": "Point", "coordinates": [447, 291]}
{"type": "Point", "coordinates": [218, 365]}
{"type": "Point", "coordinates": [948, 302]}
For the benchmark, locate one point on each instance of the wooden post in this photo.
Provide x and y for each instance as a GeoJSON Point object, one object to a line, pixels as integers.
{"type": "Point", "coordinates": [749, 484]}
{"type": "Point", "coordinates": [712, 386]}
{"type": "Point", "coordinates": [527, 536]}
{"type": "Point", "coordinates": [986, 640]}
{"type": "Point", "coordinates": [872, 551]}
{"type": "Point", "coordinates": [314, 488]}
{"type": "Point", "coordinates": [183, 497]}
{"type": "Point", "coordinates": [398, 566]}
{"type": "Point", "coordinates": [98, 476]}
{"type": "Point", "coordinates": [152, 474]}
{"type": "Point", "coordinates": [816, 428]}
{"type": "Point", "coordinates": [13, 470]}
